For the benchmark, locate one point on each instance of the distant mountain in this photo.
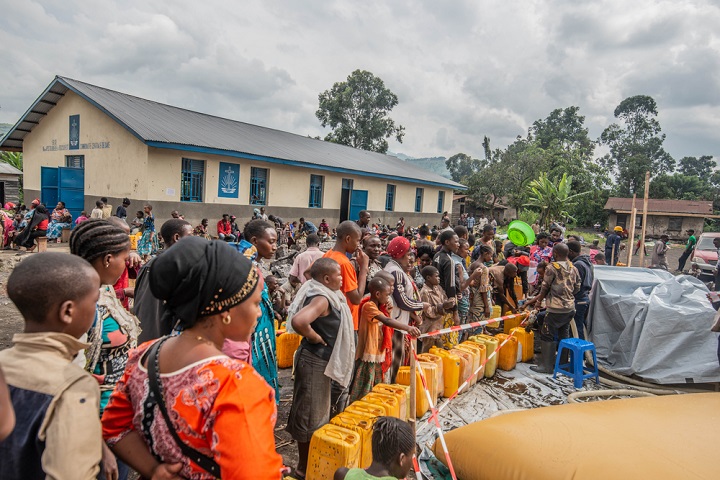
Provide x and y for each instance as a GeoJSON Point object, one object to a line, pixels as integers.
{"type": "Point", "coordinates": [431, 164]}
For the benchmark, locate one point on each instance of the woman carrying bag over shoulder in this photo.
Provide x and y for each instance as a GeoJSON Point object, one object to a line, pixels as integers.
{"type": "Point", "coordinates": [183, 409]}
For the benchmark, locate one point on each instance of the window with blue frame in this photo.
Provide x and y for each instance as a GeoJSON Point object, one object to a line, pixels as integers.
{"type": "Point", "coordinates": [192, 180]}
{"type": "Point", "coordinates": [441, 201]}
{"type": "Point", "coordinates": [390, 198]}
{"type": "Point", "coordinates": [419, 199]}
{"type": "Point", "coordinates": [258, 186]}
{"type": "Point", "coordinates": [316, 191]}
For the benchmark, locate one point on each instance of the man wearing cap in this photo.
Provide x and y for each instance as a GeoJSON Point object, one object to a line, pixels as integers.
{"type": "Point", "coordinates": [612, 246]}
{"type": "Point", "coordinates": [587, 275]}
{"type": "Point", "coordinates": [689, 249]}
{"type": "Point", "coordinates": [658, 259]}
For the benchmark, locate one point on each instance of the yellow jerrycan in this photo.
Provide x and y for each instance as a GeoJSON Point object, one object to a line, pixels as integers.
{"type": "Point", "coordinates": [451, 370]}
{"type": "Point", "coordinates": [491, 344]}
{"type": "Point", "coordinates": [362, 425]}
{"type": "Point", "coordinates": [430, 357]}
{"type": "Point", "coordinates": [507, 356]}
{"type": "Point", "coordinates": [389, 401]}
{"type": "Point", "coordinates": [332, 447]}
{"type": "Point", "coordinates": [401, 392]}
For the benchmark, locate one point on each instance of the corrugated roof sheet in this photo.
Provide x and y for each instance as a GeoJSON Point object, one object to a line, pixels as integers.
{"type": "Point", "coordinates": [669, 206]}
{"type": "Point", "coordinates": [156, 122]}
{"type": "Point", "coordinates": [7, 169]}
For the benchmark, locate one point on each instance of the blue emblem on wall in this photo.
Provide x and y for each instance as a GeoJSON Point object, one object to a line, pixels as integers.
{"type": "Point", "coordinates": [229, 181]}
{"type": "Point", "coordinates": [74, 132]}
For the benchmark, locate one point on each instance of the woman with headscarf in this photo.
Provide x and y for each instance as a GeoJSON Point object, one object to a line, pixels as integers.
{"type": "Point", "coordinates": [183, 407]}
{"type": "Point", "coordinates": [405, 303]}
{"type": "Point", "coordinates": [59, 218]}
{"type": "Point", "coordinates": [37, 225]}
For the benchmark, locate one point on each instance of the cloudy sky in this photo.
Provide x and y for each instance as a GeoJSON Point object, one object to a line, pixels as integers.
{"type": "Point", "coordinates": [461, 69]}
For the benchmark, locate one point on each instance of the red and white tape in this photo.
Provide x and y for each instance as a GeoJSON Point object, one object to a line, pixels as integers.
{"type": "Point", "coordinates": [467, 326]}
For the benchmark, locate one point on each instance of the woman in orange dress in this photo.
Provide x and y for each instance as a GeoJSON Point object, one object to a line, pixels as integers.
{"type": "Point", "coordinates": [221, 413]}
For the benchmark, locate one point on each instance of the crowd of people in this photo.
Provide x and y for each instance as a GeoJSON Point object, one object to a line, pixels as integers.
{"type": "Point", "coordinates": [179, 376]}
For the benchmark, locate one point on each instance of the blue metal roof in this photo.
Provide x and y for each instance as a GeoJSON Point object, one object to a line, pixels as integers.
{"type": "Point", "coordinates": [165, 126]}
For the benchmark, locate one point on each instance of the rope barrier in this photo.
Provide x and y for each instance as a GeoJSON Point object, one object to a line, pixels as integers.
{"type": "Point", "coordinates": [467, 326]}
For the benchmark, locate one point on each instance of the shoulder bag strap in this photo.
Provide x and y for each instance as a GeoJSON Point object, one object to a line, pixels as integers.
{"type": "Point", "coordinates": [156, 394]}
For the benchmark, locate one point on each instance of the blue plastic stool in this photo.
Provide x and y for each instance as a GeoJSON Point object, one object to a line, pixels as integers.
{"type": "Point", "coordinates": [576, 367]}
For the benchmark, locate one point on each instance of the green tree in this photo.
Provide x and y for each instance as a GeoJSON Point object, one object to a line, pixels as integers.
{"type": "Point", "coordinates": [521, 162]}
{"type": "Point", "coordinates": [357, 110]}
{"type": "Point", "coordinates": [564, 129]}
{"type": "Point", "coordinates": [700, 167]}
{"type": "Point", "coordinates": [552, 200]}
{"type": "Point", "coordinates": [681, 187]}
{"type": "Point", "coordinates": [569, 150]}
{"type": "Point", "coordinates": [487, 187]}
{"type": "Point", "coordinates": [636, 145]}
{"type": "Point", "coordinates": [15, 159]}
{"type": "Point", "coordinates": [462, 166]}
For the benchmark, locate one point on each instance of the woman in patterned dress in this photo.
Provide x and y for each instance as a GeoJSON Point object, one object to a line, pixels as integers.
{"type": "Point", "coordinates": [148, 243]}
{"type": "Point", "coordinates": [59, 218]}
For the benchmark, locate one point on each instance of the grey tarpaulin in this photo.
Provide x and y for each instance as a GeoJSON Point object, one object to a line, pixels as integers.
{"type": "Point", "coordinates": [651, 324]}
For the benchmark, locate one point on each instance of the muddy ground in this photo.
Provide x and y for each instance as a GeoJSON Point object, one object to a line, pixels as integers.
{"type": "Point", "coordinates": [11, 323]}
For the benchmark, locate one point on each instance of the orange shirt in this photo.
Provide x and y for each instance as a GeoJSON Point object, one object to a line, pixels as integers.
{"type": "Point", "coordinates": [370, 336]}
{"type": "Point", "coordinates": [223, 409]}
{"type": "Point", "coordinates": [349, 278]}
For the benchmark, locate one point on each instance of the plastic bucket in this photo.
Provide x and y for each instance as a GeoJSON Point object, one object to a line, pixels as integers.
{"type": "Point", "coordinates": [520, 233]}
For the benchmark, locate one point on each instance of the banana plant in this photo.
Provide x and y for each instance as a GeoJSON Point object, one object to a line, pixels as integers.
{"type": "Point", "coordinates": [552, 199]}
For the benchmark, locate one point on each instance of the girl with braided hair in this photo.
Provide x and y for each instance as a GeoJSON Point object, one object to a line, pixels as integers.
{"type": "Point", "coordinates": [115, 331]}
{"type": "Point", "coordinates": [393, 447]}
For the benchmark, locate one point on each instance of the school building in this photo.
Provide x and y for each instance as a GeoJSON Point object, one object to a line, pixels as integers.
{"type": "Point", "coordinates": [81, 142]}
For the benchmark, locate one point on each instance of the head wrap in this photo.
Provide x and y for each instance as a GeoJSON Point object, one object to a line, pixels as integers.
{"type": "Point", "coordinates": [197, 278]}
{"type": "Point", "coordinates": [398, 247]}
{"type": "Point", "coordinates": [36, 202]}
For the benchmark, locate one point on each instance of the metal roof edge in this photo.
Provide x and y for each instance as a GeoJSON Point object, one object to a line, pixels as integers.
{"type": "Point", "coordinates": [27, 112]}
{"type": "Point", "coordinates": [67, 84]}
{"type": "Point", "coordinates": [296, 163]}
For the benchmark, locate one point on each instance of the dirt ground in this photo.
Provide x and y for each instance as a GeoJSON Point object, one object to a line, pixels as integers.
{"type": "Point", "coordinates": [11, 323]}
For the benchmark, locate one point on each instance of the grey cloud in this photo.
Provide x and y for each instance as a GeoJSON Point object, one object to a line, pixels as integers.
{"type": "Point", "coordinates": [461, 69]}
{"type": "Point", "coordinates": [442, 140]}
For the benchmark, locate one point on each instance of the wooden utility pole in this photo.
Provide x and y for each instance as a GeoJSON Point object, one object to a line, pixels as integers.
{"type": "Point", "coordinates": [631, 231]}
{"type": "Point", "coordinates": [644, 220]}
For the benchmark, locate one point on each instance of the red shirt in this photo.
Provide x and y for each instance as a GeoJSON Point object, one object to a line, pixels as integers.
{"type": "Point", "coordinates": [223, 227]}
{"type": "Point", "coordinates": [42, 225]}
{"type": "Point", "coordinates": [120, 286]}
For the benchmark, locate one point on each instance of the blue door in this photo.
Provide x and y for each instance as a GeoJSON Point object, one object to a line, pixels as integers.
{"type": "Point", "coordinates": [358, 202]}
{"type": "Point", "coordinates": [63, 184]}
{"type": "Point", "coordinates": [71, 183]}
{"type": "Point", "coordinates": [49, 186]}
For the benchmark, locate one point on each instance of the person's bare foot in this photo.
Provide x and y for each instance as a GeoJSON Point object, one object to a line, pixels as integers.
{"type": "Point", "coordinates": [31, 249]}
